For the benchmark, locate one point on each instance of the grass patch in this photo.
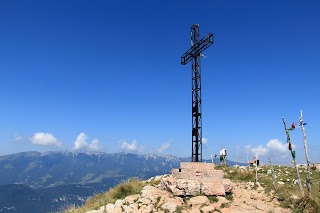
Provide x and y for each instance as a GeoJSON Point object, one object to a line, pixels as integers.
{"type": "Point", "coordinates": [268, 184]}
{"type": "Point", "coordinates": [213, 199]}
{"type": "Point", "coordinates": [178, 209]}
{"type": "Point", "coordinates": [224, 205]}
{"type": "Point", "coordinates": [306, 204]}
{"type": "Point", "coordinates": [129, 187]}
{"type": "Point", "coordinates": [229, 196]}
{"type": "Point", "coordinates": [186, 199]}
{"type": "Point", "coordinates": [155, 182]}
{"type": "Point", "coordinates": [203, 205]}
{"type": "Point", "coordinates": [158, 200]}
{"type": "Point", "coordinates": [240, 175]}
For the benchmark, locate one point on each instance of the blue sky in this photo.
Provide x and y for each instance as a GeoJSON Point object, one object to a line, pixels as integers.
{"type": "Point", "coordinates": [106, 75]}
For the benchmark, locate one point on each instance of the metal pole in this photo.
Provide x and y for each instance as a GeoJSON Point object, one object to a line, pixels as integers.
{"type": "Point", "coordinates": [293, 158]}
{"type": "Point", "coordinates": [256, 170]}
{"type": "Point", "coordinates": [306, 152]}
{"type": "Point", "coordinates": [273, 176]}
{"type": "Point", "coordinates": [248, 162]}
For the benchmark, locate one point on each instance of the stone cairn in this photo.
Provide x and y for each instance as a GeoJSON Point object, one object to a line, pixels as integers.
{"type": "Point", "coordinates": [196, 178]}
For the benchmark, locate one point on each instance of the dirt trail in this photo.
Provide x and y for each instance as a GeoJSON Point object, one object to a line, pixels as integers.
{"type": "Point", "coordinates": [247, 199]}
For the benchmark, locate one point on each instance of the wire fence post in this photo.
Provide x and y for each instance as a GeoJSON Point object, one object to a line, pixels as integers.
{"type": "Point", "coordinates": [293, 156]}
{"type": "Point", "coordinates": [273, 176]}
{"type": "Point", "coordinates": [306, 152]}
{"type": "Point", "coordinates": [248, 162]}
{"type": "Point", "coordinates": [256, 171]}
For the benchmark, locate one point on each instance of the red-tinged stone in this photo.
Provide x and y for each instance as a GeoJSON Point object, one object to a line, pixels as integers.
{"type": "Point", "coordinates": [197, 174]}
{"type": "Point", "coordinates": [196, 166]}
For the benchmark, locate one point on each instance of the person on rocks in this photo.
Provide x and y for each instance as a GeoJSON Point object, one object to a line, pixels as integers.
{"type": "Point", "coordinates": [255, 161]}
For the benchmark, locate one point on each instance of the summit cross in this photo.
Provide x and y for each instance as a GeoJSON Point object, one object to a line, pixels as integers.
{"type": "Point", "coordinates": [194, 54]}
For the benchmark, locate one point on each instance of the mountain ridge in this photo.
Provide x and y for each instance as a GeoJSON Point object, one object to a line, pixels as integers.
{"type": "Point", "coordinates": [50, 168]}
{"type": "Point", "coordinates": [61, 177]}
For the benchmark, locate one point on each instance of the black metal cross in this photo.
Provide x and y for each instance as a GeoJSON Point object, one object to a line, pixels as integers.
{"type": "Point", "coordinates": [194, 55]}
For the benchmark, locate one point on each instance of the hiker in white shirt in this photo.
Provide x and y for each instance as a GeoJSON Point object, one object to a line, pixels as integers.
{"type": "Point", "coordinates": [223, 154]}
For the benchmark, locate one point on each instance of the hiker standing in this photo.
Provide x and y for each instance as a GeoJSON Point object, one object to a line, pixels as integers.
{"type": "Point", "coordinates": [223, 154]}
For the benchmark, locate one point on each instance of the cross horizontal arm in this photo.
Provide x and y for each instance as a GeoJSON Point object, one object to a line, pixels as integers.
{"type": "Point", "coordinates": [197, 48]}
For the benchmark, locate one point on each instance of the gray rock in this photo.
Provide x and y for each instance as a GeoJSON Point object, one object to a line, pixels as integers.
{"type": "Point", "coordinates": [171, 207]}
{"type": "Point", "coordinates": [110, 207]}
{"type": "Point", "coordinates": [199, 200]}
{"type": "Point", "coordinates": [118, 203]}
{"type": "Point", "coordinates": [294, 197]}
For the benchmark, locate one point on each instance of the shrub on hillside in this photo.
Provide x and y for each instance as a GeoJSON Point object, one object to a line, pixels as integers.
{"type": "Point", "coordinates": [306, 204]}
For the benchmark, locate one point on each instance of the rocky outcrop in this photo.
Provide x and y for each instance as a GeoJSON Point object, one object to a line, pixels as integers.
{"type": "Point", "coordinates": [197, 187]}
{"type": "Point", "coordinates": [151, 199]}
{"type": "Point", "coordinates": [154, 199]}
{"type": "Point", "coordinates": [245, 199]}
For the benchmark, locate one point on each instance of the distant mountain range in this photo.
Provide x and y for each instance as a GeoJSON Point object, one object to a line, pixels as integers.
{"type": "Point", "coordinates": [47, 182]}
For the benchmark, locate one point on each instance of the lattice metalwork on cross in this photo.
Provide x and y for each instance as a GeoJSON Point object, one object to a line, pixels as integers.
{"type": "Point", "coordinates": [194, 54]}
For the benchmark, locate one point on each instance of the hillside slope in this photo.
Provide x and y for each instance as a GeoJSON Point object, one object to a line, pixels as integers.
{"type": "Point", "coordinates": [247, 195]}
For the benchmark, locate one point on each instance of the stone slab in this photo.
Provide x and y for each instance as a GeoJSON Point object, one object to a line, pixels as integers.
{"type": "Point", "coordinates": [197, 174]}
{"type": "Point", "coordinates": [200, 166]}
{"type": "Point", "coordinates": [184, 187]}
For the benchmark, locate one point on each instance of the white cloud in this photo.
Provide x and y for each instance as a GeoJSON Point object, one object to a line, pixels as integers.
{"type": "Point", "coordinates": [260, 150]}
{"type": "Point", "coordinates": [274, 147]}
{"type": "Point", "coordinates": [130, 147]}
{"type": "Point", "coordinates": [19, 138]}
{"type": "Point", "coordinates": [204, 140]}
{"type": "Point", "coordinates": [95, 145]}
{"type": "Point", "coordinates": [82, 144]}
{"type": "Point", "coordinates": [247, 147]}
{"type": "Point", "coordinates": [45, 139]}
{"type": "Point", "coordinates": [163, 147]}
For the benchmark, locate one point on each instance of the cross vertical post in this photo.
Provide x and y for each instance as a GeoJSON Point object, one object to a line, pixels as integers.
{"type": "Point", "coordinates": [194, 54]}
{"type": "Point", "coordinates": [293, 156]}
{"type": "Point", "coordinates": [273, 176]}
{"type": "Point", "coordinates": [306, 152]}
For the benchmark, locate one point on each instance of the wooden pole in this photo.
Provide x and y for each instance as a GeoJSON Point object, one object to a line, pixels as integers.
{"type": "Point", "coordinates": [293, 157]}
{"type": "Point", "coordinates": [273, 176]}
{"type": "Point", "coordinates": [248, 162]}
{"type": "Point", "coordinates": [256, 170]}
{"type": "Point", "coordinates": [306, 152]}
